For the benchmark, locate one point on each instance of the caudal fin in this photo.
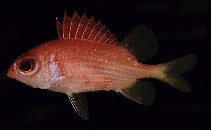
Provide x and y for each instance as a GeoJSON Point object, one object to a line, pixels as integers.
{"type": "Point", "coordinates": [171, 72]}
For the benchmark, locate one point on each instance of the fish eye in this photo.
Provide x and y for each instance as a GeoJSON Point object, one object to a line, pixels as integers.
{"type": "Point", "coordinates": [26, 65]}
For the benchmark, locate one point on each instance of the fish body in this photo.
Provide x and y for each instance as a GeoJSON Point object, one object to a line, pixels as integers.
{"type": "Point", "coordinates": [87, 57]}
{"type": "Point", "coordinates": [88, 66]}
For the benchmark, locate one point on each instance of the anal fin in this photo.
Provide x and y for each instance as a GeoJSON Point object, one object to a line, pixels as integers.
{"type": "Point", "coordinates": [141, 92]}
{"type": "Point", "coordinates": [80, 104]}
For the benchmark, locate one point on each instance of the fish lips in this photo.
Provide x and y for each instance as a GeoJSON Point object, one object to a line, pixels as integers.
{"type": "Point", "coordinates": [11, 72]}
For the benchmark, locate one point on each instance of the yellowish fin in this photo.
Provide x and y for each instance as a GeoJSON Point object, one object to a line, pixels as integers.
{"type": "Point", "coordinates": [171, 72]}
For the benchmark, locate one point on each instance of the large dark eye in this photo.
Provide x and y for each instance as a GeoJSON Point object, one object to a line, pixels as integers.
{"type": "Point", "coordinates": [26, 65]}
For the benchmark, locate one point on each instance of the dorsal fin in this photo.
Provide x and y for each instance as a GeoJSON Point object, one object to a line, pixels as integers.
{"type": "Point", "coordinates": [84, 28]}
{"type": "Point", "coordinates": [142, 42]}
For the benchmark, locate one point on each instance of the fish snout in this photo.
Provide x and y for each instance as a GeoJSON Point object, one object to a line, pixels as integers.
{"type": "Point", "coordinates": [11, 72]}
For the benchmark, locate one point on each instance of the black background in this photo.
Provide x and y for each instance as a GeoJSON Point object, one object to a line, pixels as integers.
{"type": "Point", "coordinates": [180, 27]}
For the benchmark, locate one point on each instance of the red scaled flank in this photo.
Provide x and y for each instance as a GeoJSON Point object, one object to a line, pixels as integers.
{"type": "Point", "coordinates": [88, 57]}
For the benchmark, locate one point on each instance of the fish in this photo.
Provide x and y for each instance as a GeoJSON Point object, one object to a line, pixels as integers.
{"type": "Point", "coordinates": [87, 57]}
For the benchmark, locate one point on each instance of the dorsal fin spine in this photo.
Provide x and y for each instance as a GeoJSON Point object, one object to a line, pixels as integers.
{"type": "Point", "coordinates": [83, 19]}
{"type": "Point", "coordinates": [104, 35]}
{"type": "Point", "coordinates": [93, 29]}
{"type": "Point", "coordinates": [101, 33]}
{"type": "Point", "coordinates": [84, 28]}
{"type": "Point", "coordinates": [98, 32]}
{"type": "Point", "coordinates": [82, 37]}
{"type": "Point", "coordinates": [71, 23]}
{"type": "Point", "coordinates": [108, 38]}
{"type": "Point", "coordinates": [85, 22]}
{"type": "Point", "coordinates": [59, 28]}
{"type": "Point", "coordinates": [74, 16]}
{"type": "Point", "coordinates": [74, 24]}
{"type": "Point", "coordinates": [91, 21]}
{"type": "Point", "coordinates": [78, 28]}
{"type": "Point", "coordinates": [65, 26]}
{"type": "Point", "coordinates": [70, 29]}
{"type": "Point", "coordinates": [112, 40]}
{"type": "Point", "coordinates": [65, 17]}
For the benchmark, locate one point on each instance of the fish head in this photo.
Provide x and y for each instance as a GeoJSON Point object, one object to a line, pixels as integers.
{"type": "Point", "coordinates": [31, 69]}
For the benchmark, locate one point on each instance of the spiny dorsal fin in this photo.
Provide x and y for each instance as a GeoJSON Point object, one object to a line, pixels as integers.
{"type": "Point", "coordinates": [84, 28]}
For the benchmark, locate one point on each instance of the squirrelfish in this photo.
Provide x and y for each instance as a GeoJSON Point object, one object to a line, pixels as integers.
{"type": "Point", "coordinates": [87, 57]}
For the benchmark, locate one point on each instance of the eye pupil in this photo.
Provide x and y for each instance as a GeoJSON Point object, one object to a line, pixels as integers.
{"type": "Point", "coordinates": [26, 65]}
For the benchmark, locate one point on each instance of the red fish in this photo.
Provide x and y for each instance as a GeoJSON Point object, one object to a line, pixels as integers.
{"type": "Point", "coordinates": [88, 57]}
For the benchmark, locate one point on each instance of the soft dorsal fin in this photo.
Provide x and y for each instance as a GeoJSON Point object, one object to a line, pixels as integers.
{"type": "Point", "coordinates": [142, 41]}
{"type": "Point", "coordinates": [84, 28]}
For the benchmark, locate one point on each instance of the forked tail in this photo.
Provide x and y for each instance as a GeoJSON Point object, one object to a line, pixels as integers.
{"type": "Point", "coordinates": [170, 72]}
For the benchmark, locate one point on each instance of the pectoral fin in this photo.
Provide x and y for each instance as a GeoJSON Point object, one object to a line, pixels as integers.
{"type": "Point", "coordinates": [80, 104]}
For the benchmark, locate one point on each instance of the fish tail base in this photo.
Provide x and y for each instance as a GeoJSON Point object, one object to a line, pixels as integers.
{"type": "Point", "coordinates": [170, 72]}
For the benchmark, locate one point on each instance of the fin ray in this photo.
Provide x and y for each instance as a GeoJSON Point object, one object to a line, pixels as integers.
{"type": "Point", "coordinates": [59, 29]}
{"type": "Point", "coordinates": [172, 71]}
{"type": "Point", "coordinates": [142, 41]}
{"type": "Point", "coordinates": [80, 104]}
{"type": "Point", "coordinates": [66, 26]}
{"type": "Point", "coordinates": [141, 92]}
{"type": "Point", "coordinates": [84, 28]}
{"type": "Point", "coordinates": [74, 25]}
{"type": "Point", "coordinates": [94, 30]}
{"type": "Point", "coordinates": [88, 28]}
